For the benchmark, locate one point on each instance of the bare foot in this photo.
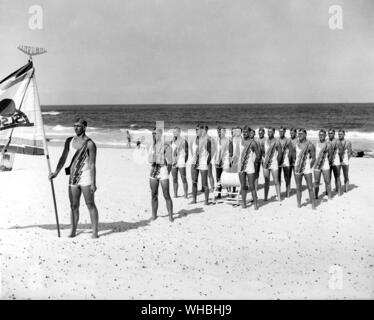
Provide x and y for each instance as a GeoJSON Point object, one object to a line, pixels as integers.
{"type": "Point", "coordinates": [72, 234]}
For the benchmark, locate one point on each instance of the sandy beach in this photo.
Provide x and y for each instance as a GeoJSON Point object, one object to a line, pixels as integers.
{"type": "Point", "coordinates": [209, 252]}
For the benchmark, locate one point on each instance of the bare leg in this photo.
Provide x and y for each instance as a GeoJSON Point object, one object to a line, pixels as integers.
{"type": "Point", "coordinates": [257, 173]}
{"type": "Point", "coordinates": [174, 173]}
{"type": "Point", "coordinates": [317, 179]}
{"type": "Point", "coordinates": [243, 188]}
{"type": "Point", "coordinates": [211, 178]}
{"type": "Point", "coordinates": [204, 181]}
{"type": "Point", "coordinates": [154, 191]}
{"type": "Point", "coordinates": [309, 182]}
{"type": "Point", "coordinates": [89, 198]}
{"type": "Point", "coordinates": [252, 187]}
{"type": "Point", "coordinates": [233, 190]}
{"type": "Point", "coordinates": [292, 170]}
{"type": "Point", "coordinates": [182, 172]}
{"type": "Point", "coordinates": [286, 173]}
{"type": "Point", "coordinates": [194, 177]}
{"type": "Point", "coordinates": [327, 179]}
{"type": "Point", "coordinates": [298, 179]}
{"type": "Point", "coordinates": [218, 177]}
{"type": "Point", "coordinates": [280, 178]}
{"type": "Point", "coordinates": [169, 202]}
{"type": "Point", "coordinates": [274, 173]}
{"type": "Point", "coordinates": [202, 187]}
{"type": "Point", "coordinates": [267, 183]}
{"type": "Point", "coordinates": [345, 169]}
{"type": "Point", "coordinates": [74, 197]}
{"type": "Point", "coordinates": [336, 171]}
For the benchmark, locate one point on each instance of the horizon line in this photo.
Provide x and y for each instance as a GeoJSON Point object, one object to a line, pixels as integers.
{"type": "Point", "coordinates": [210, 104]}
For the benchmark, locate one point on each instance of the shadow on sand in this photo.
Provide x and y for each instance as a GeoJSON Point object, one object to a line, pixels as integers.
{"type": "Point", "coordinates": [109, 227]}
{"type": "Point", "coordinates": [184, 213]}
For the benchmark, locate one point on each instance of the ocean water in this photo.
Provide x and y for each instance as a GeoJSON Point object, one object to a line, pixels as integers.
{"type": "Point", "coordinates": [107, 123]}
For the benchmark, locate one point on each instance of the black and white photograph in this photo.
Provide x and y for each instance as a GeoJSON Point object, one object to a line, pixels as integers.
{"type": "Point", "coordinates": [186, 150]}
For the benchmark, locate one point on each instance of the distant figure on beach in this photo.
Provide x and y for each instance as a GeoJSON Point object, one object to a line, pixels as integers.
{"type": "Point", "coordinates": [305, 158]}
{"type": "Point", "coordinates": [345, 154]}
{"type": "Point", "coordinates": [159, 156]}
{"type": "Point", "coordinates": [128, 139]}
{"type": "Point", "coordinates": [322, 166]}
{"type": "Point", "coordinates": [82, 174]}
{"type": "Point", "coordinates": [138, 144]}
{"type": "Point", "coordinates": [179, 160]}
{"type": "Point", "coordinates": [272, 153]}
{"type": "Point", "coordinates": [335, 165]}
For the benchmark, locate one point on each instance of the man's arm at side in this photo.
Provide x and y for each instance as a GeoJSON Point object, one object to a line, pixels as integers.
{"type": "Point", "coordinates": [62, 160]}
{"type": "Point", "coordinates": [185, 151]}
{"type": "Point", "coordinates": [312, 154]}
{"type": "Point", "coordinates": [209, 149]}
{"type": "Point", "coordinates": [92, 162]}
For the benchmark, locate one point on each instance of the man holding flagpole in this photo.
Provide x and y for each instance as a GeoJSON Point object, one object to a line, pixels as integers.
{"type": "Point", "coordinates": [82, 174]}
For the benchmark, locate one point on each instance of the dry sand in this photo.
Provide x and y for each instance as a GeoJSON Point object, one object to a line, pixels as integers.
{"type": "Point", "coordinates": [214, 252]}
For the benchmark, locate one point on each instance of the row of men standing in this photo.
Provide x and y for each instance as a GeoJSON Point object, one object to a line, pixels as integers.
{"type": "Point", "coordinates": [244, 154]}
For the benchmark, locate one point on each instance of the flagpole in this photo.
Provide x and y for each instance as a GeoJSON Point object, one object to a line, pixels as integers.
{"type": "Point", "coordinates": [32, 51]}
{"type": "Point", "coordinates": [48, 161]}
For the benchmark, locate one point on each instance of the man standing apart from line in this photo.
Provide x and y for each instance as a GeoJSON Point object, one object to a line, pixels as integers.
{"type": "Point", "coordinates": [82, 174]}
{"type": "Point", "coordinates": [179, 160]}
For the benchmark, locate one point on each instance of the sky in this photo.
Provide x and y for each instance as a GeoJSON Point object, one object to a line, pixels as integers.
{"type": "Point", "coordinates": [193, 51]}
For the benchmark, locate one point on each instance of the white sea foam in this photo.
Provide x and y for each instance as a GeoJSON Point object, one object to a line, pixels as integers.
{"type": "Point", "coordinates": [51, 113]}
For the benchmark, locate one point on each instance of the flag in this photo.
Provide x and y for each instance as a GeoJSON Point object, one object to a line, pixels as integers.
{"type": "Point", "coordinates": [21, 125]}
